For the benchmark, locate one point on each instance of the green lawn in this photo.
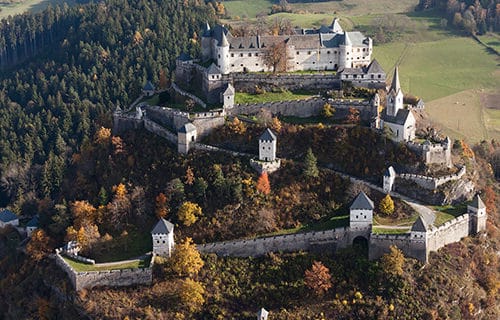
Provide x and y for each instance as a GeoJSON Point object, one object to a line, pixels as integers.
{"type": "Point", "coordinates": [378, 230]}
{"type": "Point", "coordinates": [492, 40]}
{"type": "Point", "coordinates": [83, 267]}
{"type": "Point", "coordinates": [326, 224]}
{"type": "Point", "coordinates": [449, 212]}
{"type": "Point", "coordinates": [29, 5]}
{"type": "Point", "coordinates": [247, 9]}
{"type": "Point", "coordinates": [241, 97]}
{"type": "Point", "coordinates": [134, 244]}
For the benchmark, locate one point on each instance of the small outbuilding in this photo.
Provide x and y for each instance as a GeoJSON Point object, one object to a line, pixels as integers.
{"type": "Point", "coordinates": [31, 226]}
{"type": "Point", "coordinates": [149, 89]}
{"type": "Point", "coordinates": [186, 137]}
{"type": "Point", "coordinates": [8, 217]}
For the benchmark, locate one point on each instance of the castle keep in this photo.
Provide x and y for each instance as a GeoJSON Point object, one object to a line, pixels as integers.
{"type": "Point", "coordinates": [327, 48]}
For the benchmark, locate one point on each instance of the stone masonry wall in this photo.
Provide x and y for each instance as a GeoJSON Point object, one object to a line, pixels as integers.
{"type": "Point", "coordinates": [167, 117]}
{"type": "Point", "coordinates": [246, 82]}
{"type": "Point", "coordinates": [112, 278]}
{"type": "Point", "coordinates": [155, 128]}
{"type": "Point", "coordinates": [331, 239]}
{"type": "Point", "coordinates": [431, 183]}
{"type": "Point", "coordinates": [302, 108]}
{"type": "Point", "coordinates": [451, 231]}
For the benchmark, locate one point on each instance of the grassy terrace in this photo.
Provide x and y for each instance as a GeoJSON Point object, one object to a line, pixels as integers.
{"type": "Point", "coordinates": [241, 97]}
{"type": "Point", "coordinates": [84, 267]}
{"type": "Point", "coordinates": [326, 224]}
{"type": "Point", "coordinates": [449, 212]}
{"type": "Point", "coordinates": [380, 230]}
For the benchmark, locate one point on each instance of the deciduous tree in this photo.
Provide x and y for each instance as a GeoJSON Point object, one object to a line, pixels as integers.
{"type": "Point", "coordinates": [186, 260]}
{"type": "Point", "coordinates": [189, 212]}
{"type": "Point", "coordinates": [392, 263]}
{"type": "Point", "coordinates": [328, 111]}
{"type": "Point", "coordinates": [191, 294]}
{"type": "Point", "coordinates": [263, 185]}
{"type": "Point", "coordinates": [318, 278]}
{"type": "Point", "coordinates": [39, 245]}
{"type": "Point", "coordinates": [276, 57]}
{"type": "Point", "coordinates": [161, 209]}
{"type": "Point", "coordinates": [386, 205]}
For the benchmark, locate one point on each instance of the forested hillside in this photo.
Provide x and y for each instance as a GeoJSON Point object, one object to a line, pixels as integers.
{"type": "Point", "coordinates": [65, 69]}
{"type": "Point", "coordinates": [471, 15]}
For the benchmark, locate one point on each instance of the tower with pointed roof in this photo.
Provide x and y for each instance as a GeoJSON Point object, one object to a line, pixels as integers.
{"type": "Point", "coordinates": [163, 238]}
{"type": "Point", "coordinates": [206, 43]}
{"type": "Point", "coordinates": [228, 97]}
{"type": "Point", "coordinates": [262, 314]}
{"type": "Point", "coordinates": [389, 178]}
{"type": "Point", "coordinates": [267, 146]}
{"type": "Point", "coordinates": [477, 215]}
{"type": "Point", "coordinates": [335, 26]}
{"type": "Point", "coordinates": [394, 101]}
{"type": "Point", "coordinates": [361, 212]}
{"type": "Point", "coordinates": [345, 52]}
{"type": "Point", "coordinates": [223, 54]}
{"type": "Point", "coordinates": [419, 238]}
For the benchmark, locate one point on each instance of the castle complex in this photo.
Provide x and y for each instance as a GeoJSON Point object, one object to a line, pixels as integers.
{"type": "Point", "coordinates": [327, 48]}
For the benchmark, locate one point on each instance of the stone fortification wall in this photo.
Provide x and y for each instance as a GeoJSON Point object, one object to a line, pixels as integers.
{"type": "Point", "coordinates": [331, 239]}
{"type": "Point", "coordinates": [304, 108]}
{"type": "Point", "coordinates": [155, 128]}
{"type": "Point", "coordinates": [436, 153]}
{"type": "Point", "coordinates": [122, 123]}
{"type": "Point", "coordinates": [451, 231]}
{"type": "Point", "coordinates": [246, 82]}
{"type": "Point", "coordinates": [431, 183]}
{"type": "Point", "coordinates": [205, 125]}
{"type": "Point", "coordinates": [167, 117]}
{"type": "Point", "coordinates": [112, 278]}
{"type": "Point", "coordinates": [380, 244]}
{"type": "Point", "coordinates": [189, 95]}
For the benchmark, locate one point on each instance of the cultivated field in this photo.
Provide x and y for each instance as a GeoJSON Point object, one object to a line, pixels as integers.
{"type": "Point", "coordinates": [29, 5]}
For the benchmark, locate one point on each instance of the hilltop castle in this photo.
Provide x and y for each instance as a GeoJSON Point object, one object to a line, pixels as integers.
{"type": "Point", "coordinates": [327, 48]}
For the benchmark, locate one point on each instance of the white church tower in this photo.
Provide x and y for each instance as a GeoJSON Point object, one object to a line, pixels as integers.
{"type": "Point", "coordinates": [163, 238]}
{"type": "Point", "coordinates": [395, 96]}
{"type": "Point", "coordinates": [267, 146]}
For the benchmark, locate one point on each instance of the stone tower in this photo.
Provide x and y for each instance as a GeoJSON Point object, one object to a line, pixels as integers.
{"type": "Point", "coordinates": [335, 26]}
{"type": "Point", "coordinates": [206, 43]}
{"type": "Point", "coordinates": [418, 239]}
{"type": "Point", "coordinates": [186, 137]}
{"type": "Point", "coordinates": [228, 97]}
{"type": "Point", "coordinates": [477, 214]}
{"type": "Point", "coordinates": [267, 146]}
{"type": "Point", "coordinates": [262, 314]}
{"type": "Point", "coordinates": [163, 238]}
{"type": "Point", "coordinates": [389, 178]}
{"type": "Point", "coordinates": [223, 55]}
{"type": "Point", "coordinates": [361, 212]}
{"type": "Point", "coordinates": [346, 52]}
{"type": "Point", "coordinates": [394, 96]}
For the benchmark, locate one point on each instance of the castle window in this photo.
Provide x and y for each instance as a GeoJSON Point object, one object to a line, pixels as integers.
{"type": "Point", "coordinates": [213, 77]}
{"type": "Point", "coordinates": [308, 52]}
{"type": "Point", "coordinates": [232, 55]}
{"type": "Point", "coordinates": [241, 65]}
{"type": "Point", "coordinates": [297, 63]}
{"type": "Point", "coordinates": [363, 49]}
{"type": "Point", "coordinates": [331, 61]}
{"type": "Point", "coordinates": [347, 53]}
{"type": "Point", "coordinates": [372, 76]}
{"type": "Point", "coordinates": [157, 241]}
{"type": "Point", "coordinates": [314, 62]}
{"type": "Point", "coordinates": [257, 54]}
{"type": "Point", "coordinates": [232, 65]}
{"type": "Point", "coordinates": [358, 49]}
{"type": "Point", "coordinates": [249, 54]}
{"type": "Point", "coordinates": [328, 52]}
{"type": "Point", "coordinates": [241, 54]}
{"type": "Point", "coordinates": [379, 76]}
{"type": "Point", "coordinates": [219, 56]}
{"type": "Point", "coordinates": [257, 64]}
{"type": "Point", "coordinates": [356, 217]}
{"type": "Point", "coordinates": [355, 76]}
{"type": "Point", "coordinates": [269, 148]}
{"type": "Point", "coordinates": [298, 53]}
{"type": "Point", "coordinates": [163, 241]}
{"type": "Point", "coordinates": [335, 52]}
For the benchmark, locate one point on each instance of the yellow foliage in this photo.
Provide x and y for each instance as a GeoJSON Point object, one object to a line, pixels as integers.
{"type": "Point", "coordinates": [120, 190]}
{"type": "Point", "coordinates": [186, 259]}
{"type": "Point", "coordinates": [192, 294]}
{"type": "Point", "coordinates": [103, 136]}
{"type": "Point", "coordinates": [189, 213]}
{"type": "Point", "coordinates": [386, 205]}
{"type": "Point", "coordinates": [392, 263]}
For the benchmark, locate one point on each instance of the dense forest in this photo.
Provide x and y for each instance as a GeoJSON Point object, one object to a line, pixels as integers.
{"type": "Point", "coordinates": [473, 16]}
{"type": "Point", "coordinates": [65, 69]}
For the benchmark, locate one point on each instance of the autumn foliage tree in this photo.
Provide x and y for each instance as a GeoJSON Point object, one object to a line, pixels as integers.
{"type": "Point", "coordinates": [191, 294]}
{"type": "Point", "coordinates": [39, 245]}
{"type": "Point", "coordinates": [161, 209]}
{"type": "Point", "coordinates": [318, 278]}
{"type": "Point", "coordinates": [276, 57]}
{"type": "Point", "coordinates": [310, 165]}
{"type": "Point", "coordinates": [263, 185]}
{"type": "Point", "coordinates": [237, 126]}
{"type": "Point", "coordinates": [392, 263]}
{"type": "Point", "coordinates": [186, 260]}
{"type": "Point", "coordinates": [353, 116]}
{"type": "Point", "coordinates": [386, 205]}
{"type": "Point", "coordinates": [189, 212]}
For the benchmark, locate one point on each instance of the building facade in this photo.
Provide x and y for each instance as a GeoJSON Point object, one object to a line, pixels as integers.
{"type": "Point", "coordinates": [327, 48]}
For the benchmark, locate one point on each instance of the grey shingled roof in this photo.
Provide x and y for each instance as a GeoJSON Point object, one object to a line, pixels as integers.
{"type": "Point", "coordinates": [188, 127]}
{"type": "Point", "coordinates": [184, 57]}
{"type": "Point", "coordinates": [268, 135]}
{"type": "Point", "coordinates": [162, 227]}
{"type": "Point", "coordinates": [395, 85]}
{"type": "Point", "coordinates": [229, 90]}
{"type": "Point", "coordinates": [213, 69]}
{"type": "Point", "coordinates": [400, 117]}
{"type": "Point", "coordinates": [374, 67]}
{"type": "Point", "coordinates": [347, 39]}
{"type": "Point", "coordinates": [389, 172]}
{"type": "Point", "coordinates": [420, 225]}
{"type": "Point", "coordinates": [149, 86]}
{"type": "Point", "coordinates": [362, 202]}
{"type": "Point", "coordinates": [7, 215]}
{"type": "Point", "coordinates": [33, 222]}
{"type": "Point", "coordinates": [477, 203]}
